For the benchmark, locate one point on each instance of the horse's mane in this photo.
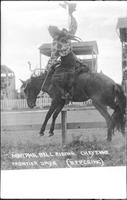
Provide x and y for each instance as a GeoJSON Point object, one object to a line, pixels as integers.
{"type": "Point", "coordinates": [34, 75]}
{"type": "Point", "coordinates": [33, 78]}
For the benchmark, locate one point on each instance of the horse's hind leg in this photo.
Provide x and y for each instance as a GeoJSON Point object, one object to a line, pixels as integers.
{"type": "Point", "coordinates": [103, 111]}
{"type": "Point", "coordinates": [55, 114]}
{"type": "Point", "coordinates": [52, 108]}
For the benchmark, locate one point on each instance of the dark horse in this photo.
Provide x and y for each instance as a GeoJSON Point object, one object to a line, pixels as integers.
{"type": "Point", "coordinates": [102, 90]}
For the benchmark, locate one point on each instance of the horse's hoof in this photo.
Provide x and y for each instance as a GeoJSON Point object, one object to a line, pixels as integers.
{"type": "Point", "coordinates": [41, 133]}
{"type": "Point", "coordinates": [51, 134]}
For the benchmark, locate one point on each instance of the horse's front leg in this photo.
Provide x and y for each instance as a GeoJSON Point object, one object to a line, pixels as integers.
{"type": "Point", "coordinates": [55, 114]}
{"type": "Point", "coordinates": [52, 108]}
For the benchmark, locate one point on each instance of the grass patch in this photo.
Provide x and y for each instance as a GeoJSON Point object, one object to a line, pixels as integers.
{"type": "Point", "coordinates": [77, 150]}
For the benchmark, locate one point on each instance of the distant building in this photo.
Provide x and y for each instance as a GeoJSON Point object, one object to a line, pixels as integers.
{"type": "Point", "coordinates": [87, 50]}
{"type": "Point", "coordinates": [122, 27]}
{"type": "Point", "coordinates": [7, 83]}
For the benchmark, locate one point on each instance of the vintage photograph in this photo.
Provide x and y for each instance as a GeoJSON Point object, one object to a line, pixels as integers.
{"type": "Point", "coordinates": [63, 84]}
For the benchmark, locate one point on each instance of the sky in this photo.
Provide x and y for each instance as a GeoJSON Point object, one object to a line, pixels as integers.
{"type": "Point", "coordinates": [24, 29]}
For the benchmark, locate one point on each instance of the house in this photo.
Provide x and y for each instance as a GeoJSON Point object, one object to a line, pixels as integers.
{"type": "Point", "coordinates": [7, 83]}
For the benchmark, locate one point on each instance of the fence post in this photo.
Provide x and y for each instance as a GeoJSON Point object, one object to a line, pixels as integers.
{"type": "Point", "coordinates": [64, 125]}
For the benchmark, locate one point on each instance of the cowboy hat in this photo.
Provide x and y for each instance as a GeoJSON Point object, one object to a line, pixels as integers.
{"type": "Point", "coordinates": [54, 31]}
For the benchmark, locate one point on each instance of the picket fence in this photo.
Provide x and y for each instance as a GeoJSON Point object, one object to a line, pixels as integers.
{"type": "Point", "coordinates": [17, 104]}
{"type": "Point", "coordinates": [43, 102]}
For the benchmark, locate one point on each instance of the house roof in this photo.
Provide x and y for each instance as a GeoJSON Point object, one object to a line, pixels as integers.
{"type": "Point", "coordinates": [79, 48]}
{"type": "Point", "coordinates": [122, 23]}
{"type": "Point", "coordinates": [5, 69]}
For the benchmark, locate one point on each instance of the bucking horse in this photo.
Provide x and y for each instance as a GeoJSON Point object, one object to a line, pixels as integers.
{"type": "Point", "coordinates": [101, 89]}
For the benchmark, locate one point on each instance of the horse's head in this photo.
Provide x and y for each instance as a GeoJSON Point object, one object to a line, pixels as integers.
{"type": "Point", "coordinates": [31, 88]}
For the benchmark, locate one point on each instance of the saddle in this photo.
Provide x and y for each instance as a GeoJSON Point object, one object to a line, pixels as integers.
{"type": "Point", "coordinates": [79, 68]}
{"type": "Point", "coordinates": [56, 71]}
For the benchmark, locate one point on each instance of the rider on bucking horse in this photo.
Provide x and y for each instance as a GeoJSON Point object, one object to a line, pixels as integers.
{"type": "Point", "coordinates": [60, 48]}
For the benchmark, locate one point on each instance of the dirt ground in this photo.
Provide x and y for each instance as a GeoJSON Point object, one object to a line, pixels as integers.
{"type": "Point", "coordinates": [84, 147]}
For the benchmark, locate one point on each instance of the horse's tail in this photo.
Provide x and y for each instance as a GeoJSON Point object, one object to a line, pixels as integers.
{"type": "Point", "coordinates": [120, 108]}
